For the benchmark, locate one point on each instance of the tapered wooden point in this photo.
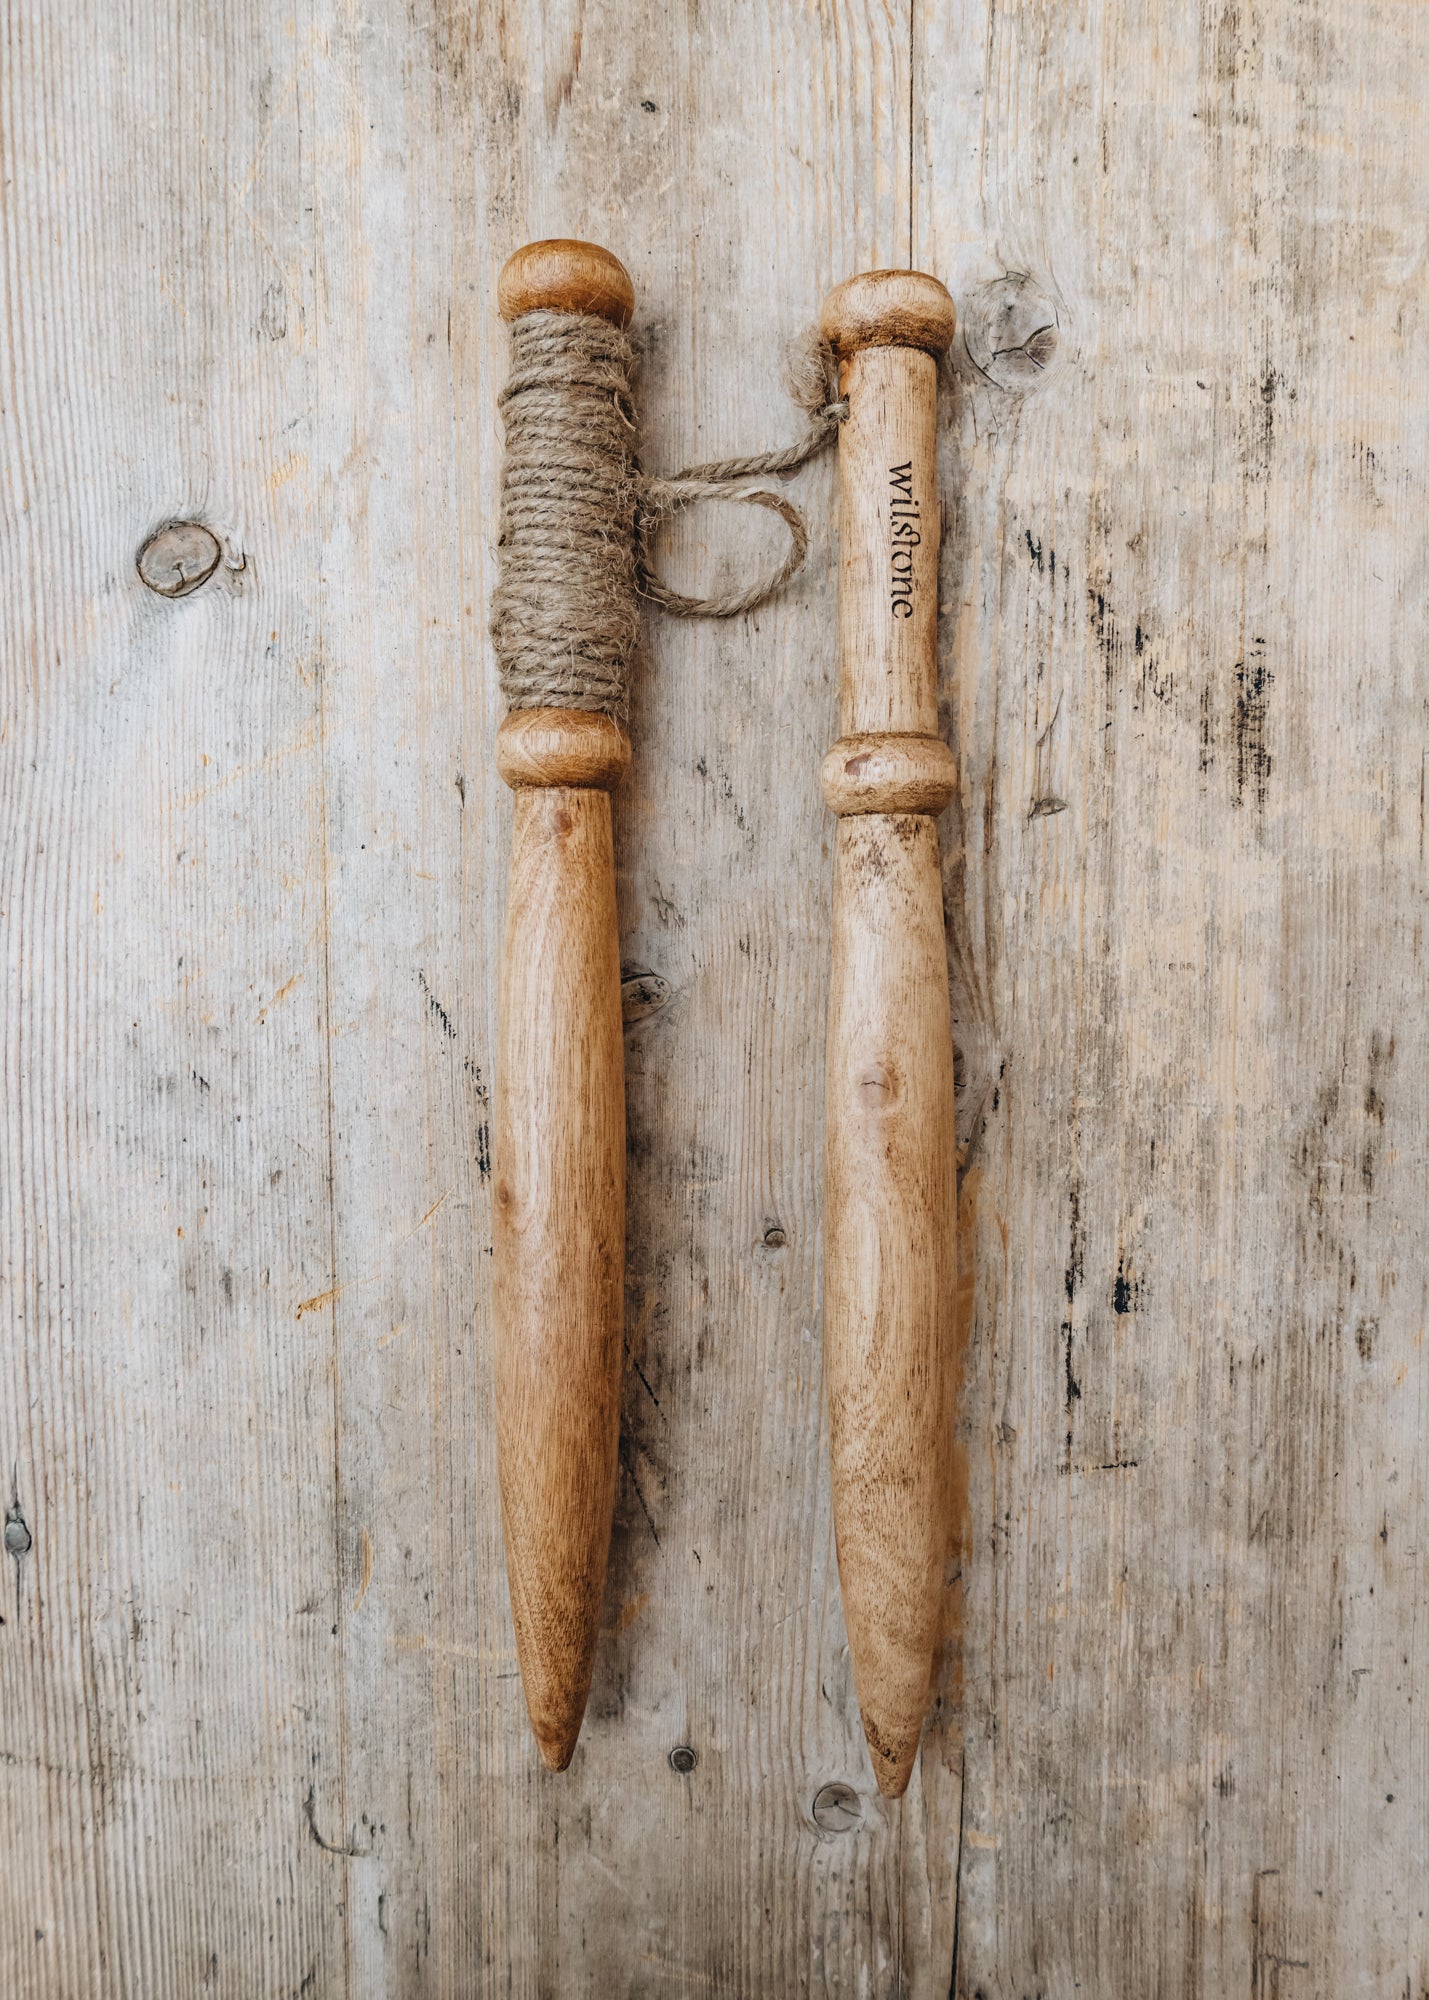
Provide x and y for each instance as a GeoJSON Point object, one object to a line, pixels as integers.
{"type": "Point", "coordinates": [892, 1757]}
{"type": "Point", "coordinates": [563, 275]}
{"type": "Point", "coordinates": [558, 1212]}
{"type": "Point", "coordinates": [558, 1750]}
{"type": "Point", "coordinates": [889, 309]}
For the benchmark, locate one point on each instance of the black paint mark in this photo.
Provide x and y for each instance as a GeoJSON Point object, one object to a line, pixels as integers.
{"type": "Point", "coordinates": [1125, 1293]}
{"type": "Point", "coordinates": [649, 1517]}
{"type": "Point", "coordinates": [310, 1813]}
{"type": "Point", "coordinates": [1072, 1277]}
{"type": "Point", "coordinates": [1073, 1273]}
{"type": "Point", "coordinates": [1207, 748]}
{"type": "Point", "coordinates": [438, 1011]}
{"type": "Point", "coordinates": [644, 1380]}
{"type": "Point", "coordinates": [1104, 625]}
{"type": "Point", "coordinates": [1074, 1387]}
{"type": "Point", "coordinates": [483, 1150]}
{"type": "Point", "coordinates": [1381, 1055]}
{"type": "Point", "coordinates": [1253, 682]}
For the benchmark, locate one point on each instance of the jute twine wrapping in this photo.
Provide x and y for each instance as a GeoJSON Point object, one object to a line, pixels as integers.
{"type": "Point", "coordinates": [578, 515]}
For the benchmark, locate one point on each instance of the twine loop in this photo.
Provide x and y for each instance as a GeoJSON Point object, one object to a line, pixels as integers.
{"type": "Point", "coordinates": [578, 516]}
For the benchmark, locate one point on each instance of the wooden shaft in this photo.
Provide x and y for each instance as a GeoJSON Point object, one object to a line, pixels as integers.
{"type": "Point", "coordinates": [890, 1188]}
{"type": "Point", "coordinates": [558, 1243]}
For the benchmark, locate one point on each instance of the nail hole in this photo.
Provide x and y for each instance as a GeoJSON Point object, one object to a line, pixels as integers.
{"type": "Point", "coordinates": [774, 1237]}
{"type": "Point", "coordinates": [683, 1759]}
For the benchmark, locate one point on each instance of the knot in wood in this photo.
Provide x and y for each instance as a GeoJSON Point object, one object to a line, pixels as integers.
{"type": "Point", "coordinates": [178, 558]}
{"type": "Point", "coordinates": [1012, 332]}
{"type": "Point", "coordinates": [837, 1809]}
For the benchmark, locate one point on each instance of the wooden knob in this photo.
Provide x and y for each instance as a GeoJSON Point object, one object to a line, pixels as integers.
{"type": "Point", "coordinates": [562, 275]}
{"type": "Point", "coordinates": [889, 309]}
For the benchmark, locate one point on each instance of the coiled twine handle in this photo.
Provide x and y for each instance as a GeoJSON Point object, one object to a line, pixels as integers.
{"type": "Point", "coordinates": [558, 1153]}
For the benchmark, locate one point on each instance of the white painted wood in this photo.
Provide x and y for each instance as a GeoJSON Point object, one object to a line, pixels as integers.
{"type": "Point", "coordinates": [259, 1726]}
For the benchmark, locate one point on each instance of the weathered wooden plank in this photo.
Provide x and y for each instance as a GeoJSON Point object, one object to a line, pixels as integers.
{"type": "Point", "coordinates": [1186, 585]}
{"type": "Point", "coordinates": [259, 1723]}
{"type": "Point", "coordinates": [169, 1669]}
{"type": "Point", "coordinates": [263, 1730]}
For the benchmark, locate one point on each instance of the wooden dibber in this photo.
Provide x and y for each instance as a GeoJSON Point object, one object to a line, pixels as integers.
{"type": "Point", "coordinates": [559, 1141]}
{"type": "Point", "coordinates": [890, 1188]}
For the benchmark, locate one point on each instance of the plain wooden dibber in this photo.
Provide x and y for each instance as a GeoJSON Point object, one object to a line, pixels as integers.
{"type": "Point", "coordinates": [890, 1168]}
{"type": "Point", "coordinates": [559, 1143]}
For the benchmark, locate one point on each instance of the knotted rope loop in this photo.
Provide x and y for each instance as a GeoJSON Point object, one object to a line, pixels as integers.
{"type": "Point", "coordinates": [813, 384]}
{"type": "Point", "coordinates": [578, 517]}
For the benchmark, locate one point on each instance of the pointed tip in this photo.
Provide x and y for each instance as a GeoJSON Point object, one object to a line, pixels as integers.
{"type": "Point", "coordinates": [893, 1755]}
{"type": "Point", "coordinates": [557, 1751]}
{"type": "Point", "coordinates": [893, 1778]}
{"type": "Point", "coordinates": [556, 1738]}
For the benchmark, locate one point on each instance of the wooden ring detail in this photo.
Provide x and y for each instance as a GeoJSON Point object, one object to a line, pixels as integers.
{"type": "Point", "coordinates": [887, 773]}
{"type": "Point", "coordinates": [562, 746]}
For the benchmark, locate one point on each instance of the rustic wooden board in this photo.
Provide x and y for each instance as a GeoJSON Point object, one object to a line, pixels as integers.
{"type": "Point", "coordinates": [260, 1731]}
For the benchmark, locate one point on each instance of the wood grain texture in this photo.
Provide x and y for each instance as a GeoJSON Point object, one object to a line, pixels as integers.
{"type": "Point", "coordinates": [890, 1160]}
{"type": "Point", "coordinates": [890, 1211]}
{"type": "Point", "coordinates": [558, 1218]}
{"type": "Point", "coordinates": [1184, 611]}
{"type": "Point", "coordinates": [261, 1730]}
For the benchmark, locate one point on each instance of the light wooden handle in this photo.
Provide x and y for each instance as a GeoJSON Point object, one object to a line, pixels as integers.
{"type": "Point", "coordinates": [890, 1187]}
{"type": "Point", "coordinates": [558, 1244]}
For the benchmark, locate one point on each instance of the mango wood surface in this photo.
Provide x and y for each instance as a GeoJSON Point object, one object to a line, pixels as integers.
{"type": "Point", "coordinates": [558, 1207]}
{"type": "Point", "coordinates": [890, 1162]}
{"type": "Point", "coordinates": [558, 1145]}
{"type": "Point", "coordinates": [261, 1727]}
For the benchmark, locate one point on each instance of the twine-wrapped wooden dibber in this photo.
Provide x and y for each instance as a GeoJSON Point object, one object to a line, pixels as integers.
{"type": "Point", "coordinates": [559, 1140]}
{"type": "Point", "coordinates": [577, 517]}
{"type": "Point", "coordinates": [890, 1187]}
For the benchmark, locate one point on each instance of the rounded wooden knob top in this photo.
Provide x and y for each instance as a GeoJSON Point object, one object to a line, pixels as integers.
{"type": "Point", "coordinates": [888, 309]}
{"type": "Point", "coordinates": [562, 275]}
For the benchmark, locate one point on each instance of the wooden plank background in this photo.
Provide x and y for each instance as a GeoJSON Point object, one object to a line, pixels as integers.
{"type": "Point", "coordinates": [260, 1731]}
